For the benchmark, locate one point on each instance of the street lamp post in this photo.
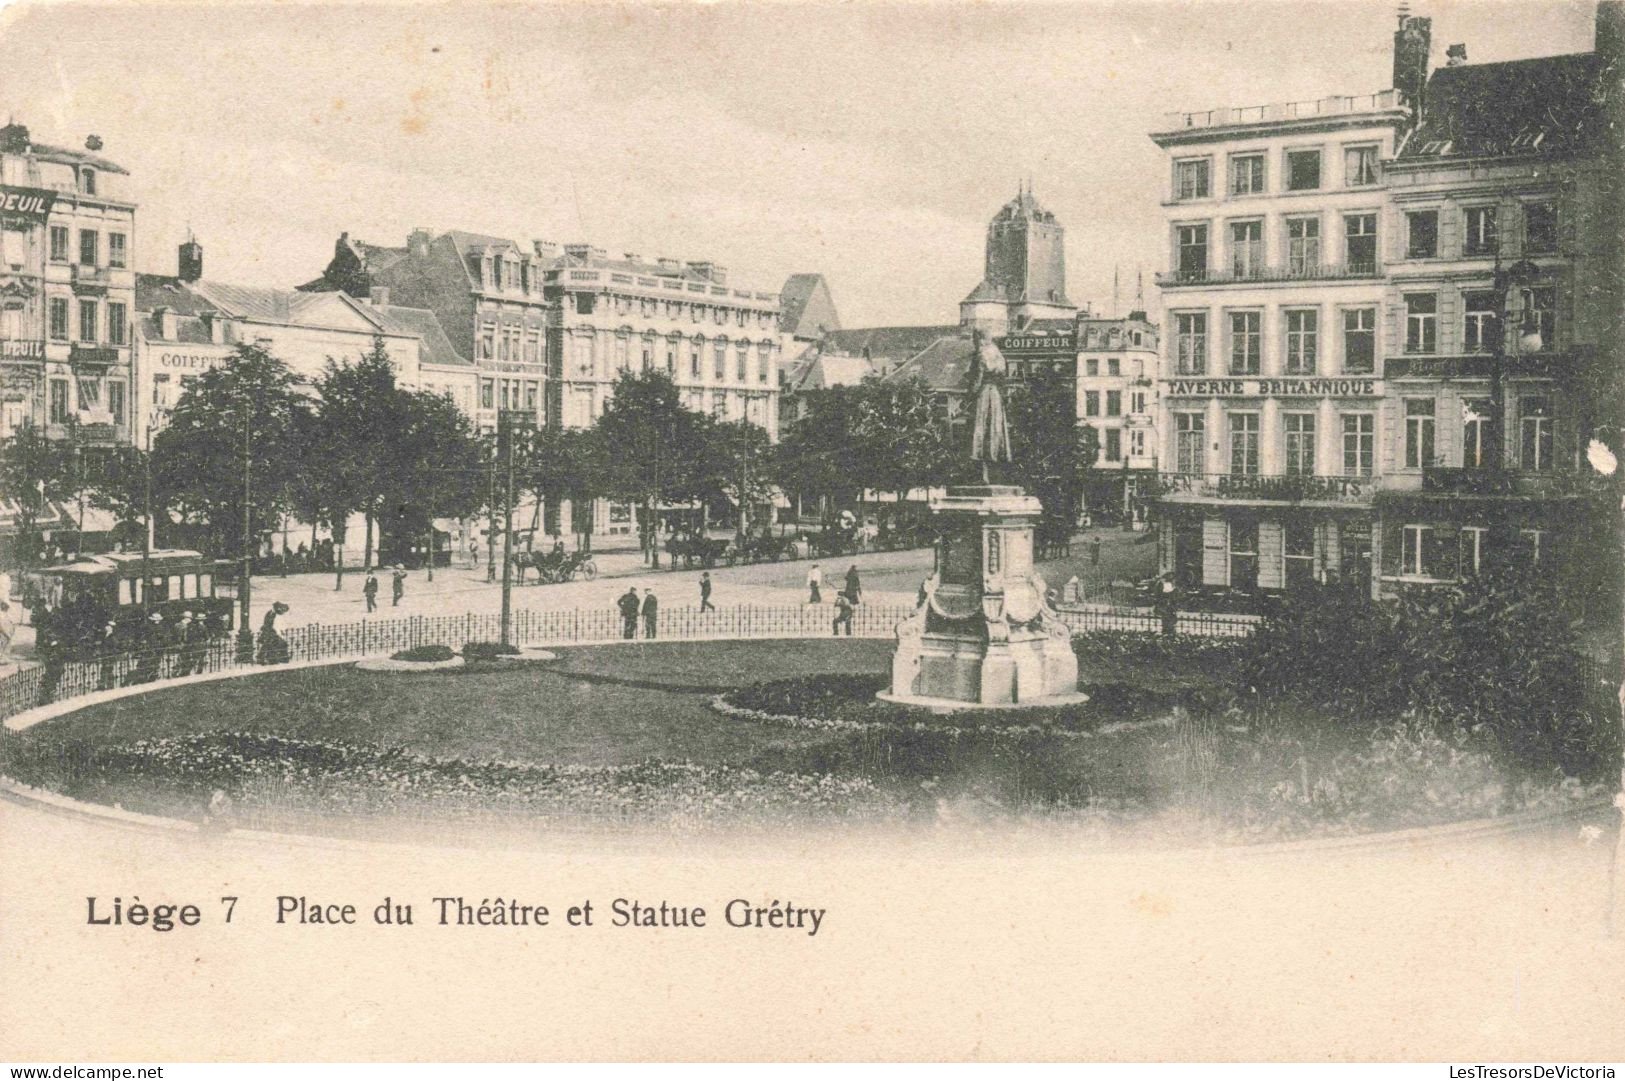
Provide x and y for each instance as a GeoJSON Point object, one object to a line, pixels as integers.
{"type": "Point", "coordinates": [245, 588]}
{"type": "Point", "coordinates": [507, 422]}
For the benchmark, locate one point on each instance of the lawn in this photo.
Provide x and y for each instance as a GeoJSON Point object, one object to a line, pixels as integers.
{"type": "Point", "coordinates": [596, 706]}
{"type": "Point", "coordinates": [626, 733]}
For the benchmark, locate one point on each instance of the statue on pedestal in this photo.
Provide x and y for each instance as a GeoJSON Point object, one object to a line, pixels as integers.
{"type": "Point", "coordinates": [990, 435]}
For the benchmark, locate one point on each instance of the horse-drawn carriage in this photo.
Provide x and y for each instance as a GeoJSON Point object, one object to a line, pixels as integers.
{"type": "Point", "coordinates": [762, 548]}
{"type": "Point", "coordinates": [694, 548]}
{"type": "Point", "coordinates": [554, 566]}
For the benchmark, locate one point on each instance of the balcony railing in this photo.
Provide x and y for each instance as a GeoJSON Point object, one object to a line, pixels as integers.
{"type": "Point", "coordinates": [1247, 275]}
{"type": "Point", "coordinates": [1341, 105]}
{"type": "Point", "coordinates": [1269, 489]}
{"type": "Point", "coordinates": [92, 277]}
{"type": "Point", "coordinates": [93, 355]}
{"type": "Point", "coordinates": [1504, 483]}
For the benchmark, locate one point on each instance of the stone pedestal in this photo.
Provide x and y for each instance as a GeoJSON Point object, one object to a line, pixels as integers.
{"type": "Point", "coordinates": [984, 635]}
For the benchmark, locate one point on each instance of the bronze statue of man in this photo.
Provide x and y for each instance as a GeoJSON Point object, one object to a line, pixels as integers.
{"type": "Point", "coordinates": [990, 435]}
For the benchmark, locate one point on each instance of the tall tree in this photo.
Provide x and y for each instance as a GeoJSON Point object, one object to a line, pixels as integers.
{"type": "Point", "coordinates": [34, 472]}
{"type": "Point", "coordinates": [441, 466]}
{"type": "Point", "coordinates": [361, 418]}
{"type": "Point", "coordinates": [1053, 453]}
{"type": "Point", "coordinates": [233, 424]}
{"type": "Point", "coordinates": [118, 482]}
{"type": "Point", "coordinates": [902, 443]}
{"type": "Point", "coordinates": [651, 449]}
{"type": "Point", "coordinates": [739, 465]}
{"type": "Point", "coordinates": [818, 453]}
{"type": "Point", "coordinates": [558, 464]}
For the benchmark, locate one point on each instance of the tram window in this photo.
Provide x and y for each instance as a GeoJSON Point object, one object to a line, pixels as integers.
{"type": "Point", "coordinates": [126, 591]}
{"type": "Point", "coordinates": [175, 587]}
{"type": "Point", "coordinates": [156, 585]}
{"type": "Point", "coordinates": [205, 585]}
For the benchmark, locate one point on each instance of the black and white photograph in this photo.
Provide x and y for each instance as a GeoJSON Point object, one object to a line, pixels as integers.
{"type": "Point", "coordinates": [812, 531]}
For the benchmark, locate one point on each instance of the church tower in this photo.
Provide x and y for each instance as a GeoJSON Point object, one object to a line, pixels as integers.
{"type": "Point", "coordinates": [1025, 270]}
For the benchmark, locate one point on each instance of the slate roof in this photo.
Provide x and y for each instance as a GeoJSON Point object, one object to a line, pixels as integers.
{"type": "Point", "coordinates": [63, 155]}
{"type": "Point", "coordinates": [798, 292]}
{"type": "Point", "coordinates": [189, 330]}
{"type": "Point", "coordinates": [1547, 106]}
{"type": "Point", "coordinates": [943, 366]}
{"type": "Point", "coordinates": [436, 348]}
{"type": "Point", "coordinates": [154, 291]}
{"type": "Point", "coordinates": [818, 370]}
{"type": "Point", "coordinates": [891, 345]}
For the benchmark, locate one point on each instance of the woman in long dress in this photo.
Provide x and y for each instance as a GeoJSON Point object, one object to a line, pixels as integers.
{"type": "Point", "coordinates": [990, 436]}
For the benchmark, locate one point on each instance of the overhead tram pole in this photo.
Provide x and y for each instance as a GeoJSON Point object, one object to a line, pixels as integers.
{"type": "Point", "coordinates": [507, 421]}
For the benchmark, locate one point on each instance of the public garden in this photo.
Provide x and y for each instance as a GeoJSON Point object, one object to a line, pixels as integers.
{"type": "Point", "coordinates": [1334, 718]}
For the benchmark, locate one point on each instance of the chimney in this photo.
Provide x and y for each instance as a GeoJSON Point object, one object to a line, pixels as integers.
{"type": "Point", "coordinates": [217, 326]}
{"type": "Point", "coordinates": [190, 260]}
{"type": "Point", "coordinates": [1413, 44]}
{"type": "Point", "coordinates": [545, 249]}
{"type": "Point", "coordinates": [669, 266]}
{"type": "Point", "coordinates": [379, 295]}
{"type": "Point", "coordinates": [578, 251]}
{"type": "Point", "coordinates": [710, 271]}
{"type": "Point", "coordinates": [632, 257]}
{"type": "Point", "coordinates": [1455, 56]}
{"type": "Point", "coordinates": [166, 322]}
{"type": "Point", "coordinates": [417, 245]}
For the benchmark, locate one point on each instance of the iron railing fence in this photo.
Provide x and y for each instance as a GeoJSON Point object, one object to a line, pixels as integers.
{"type": "Point", "coordinates": [63, 680]}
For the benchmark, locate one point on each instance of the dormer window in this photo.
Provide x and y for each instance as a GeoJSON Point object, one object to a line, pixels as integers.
{"type": "Point", "coordinates": [87, 181]}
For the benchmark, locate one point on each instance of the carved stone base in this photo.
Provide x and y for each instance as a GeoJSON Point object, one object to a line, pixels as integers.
{"type": "Point", "coordinates": [984, 635]}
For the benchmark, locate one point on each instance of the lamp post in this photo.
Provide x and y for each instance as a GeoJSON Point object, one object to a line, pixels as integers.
{"type": "Point", "coordinates": [245, 588]}
{"type": "Point", "coordinates": [508, 421]}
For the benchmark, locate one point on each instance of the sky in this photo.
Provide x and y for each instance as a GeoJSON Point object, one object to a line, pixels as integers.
{"type": "Point", "coordinates": [868, 142]}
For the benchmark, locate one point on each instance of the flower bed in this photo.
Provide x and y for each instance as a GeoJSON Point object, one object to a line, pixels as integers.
{"type": "Point", "coordinates": [848, 704]}
{"type": "Point", "coordinates": [277, 775]}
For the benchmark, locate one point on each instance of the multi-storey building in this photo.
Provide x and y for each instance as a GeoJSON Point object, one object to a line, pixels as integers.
{"type": "Point", "coordinates": [186, 324]}
{"type": "Point", "coordinates": [1116, 365]}
{"type": "Point", "coordinates": [66, 290]}
{"type": "Point", "coordinates": [1271, 409]}
{"type": "Point", "coordinates": [1497, 320]}
{"type": "Point", "coordinates": [550, 327]}
{"type": "Point", "coordinates": [486, 293]}
{"type": "Point", "coordinates": [719, 343]}
{"type": "Point", "coordinates": [1385, 320]}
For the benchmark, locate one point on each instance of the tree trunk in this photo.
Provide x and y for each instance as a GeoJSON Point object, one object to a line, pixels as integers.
{"type": "Point", "coordinates": [366, 552]}
{"type": "Point", "coordinates": [431, 549]}
{"type": "Point", "coordinates": [338, 556]}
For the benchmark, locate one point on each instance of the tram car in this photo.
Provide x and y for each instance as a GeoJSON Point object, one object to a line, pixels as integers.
{"type": "Point", "coordinates": [124, 588]}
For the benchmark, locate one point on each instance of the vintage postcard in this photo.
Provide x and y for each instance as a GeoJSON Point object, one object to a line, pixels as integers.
{"type": "Point", "coordinates": [812, 531]}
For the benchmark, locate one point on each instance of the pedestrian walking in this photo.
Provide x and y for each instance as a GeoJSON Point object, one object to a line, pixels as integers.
{"type": "Point", "coordinates": [369, 590]}
{"type": "Point", "coordinates": [705, 593]}
{"type": "Point", "coordinates": [196, 637]}
{"type": "Point", "coordinates": [1168, 606]}
{"type": "Point", "coordinates": [397, 586]}
{"type": "Point", "coordinates": [628, 605]}
{"type": "Point", "coordinates": [854, 588]}
{"type": "Point", "coordinates": [1094, 552]}
{"type": "Point", "coordinates": [843, 614]}
{"type": "Point", "coordinates": [815, 583]}
{"type": "Point", "coordinates": [107, 649]}
{"type": "Point", "coordinates": [273, 648]}
{"type": "Point", "coordinates": [651, 613]}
